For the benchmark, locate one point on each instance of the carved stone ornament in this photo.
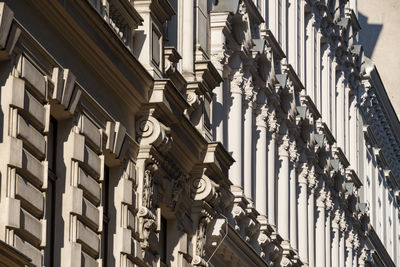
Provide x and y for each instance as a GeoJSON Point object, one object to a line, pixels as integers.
{"type": "Point", "coordinates": [336, 219]}
{"type": "Point", "coordinates": [261, 118]}
{"type": "Point", "coordinates": [151, 132]}
{"type": "Point", "coordinates": [321, 198]}
{"type": "Point", "coordinates": [284, 147]}
{"type": "Point", "coordinates": [286, 262]}
{"type": "Point", "coordinates": [202, 188]}
{"type": "Point", "coordinates": [198, 260]}
{"type": "Point", "coordinates": [148, 213]}
{"type": "Point", "coordinates": [273, 125]}
{"type": "Point", "coordinates": [248, 86]}
{"type": "Point", "coordinates": [237, 82]}
{"type": "Point", "coordinates": [293, 152]}
{"type": "Point", "coordinates": [201, 238]}
{"type": "Point", "coordinates": [303, 175]}
{"type": "Point", "coordinates": [148, 188]}
{"type": "Point", "coordinates": [312, 180]}
{"type": "Point", "coordinates": [147, 225]}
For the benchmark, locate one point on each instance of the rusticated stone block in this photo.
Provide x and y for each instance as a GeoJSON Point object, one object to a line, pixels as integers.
{"type": "Point", "coordinates": [32, 136]}
{"type": "Point", "coordinates": [91, 188]}
{"type": "Point", "coordinates": [125, 190]}
{"type": "Point", "coordinates": [31, 198]}
{"type": "Point", "coordinates": [88, 239]}
{"type": "Point", "coordinates": [90, 212]}
{"type": "Point", "coordinates": [32, 75]}
{"type": "Point", "coordinates": [10, 210]}
{"type": "Point", "coordinates": [33, 253]}
{"type": "Point", "coordinates": [126, 242]}
{"type": "Point", "coordinates": [92, 160]}
{"type": "Point", "coordinates": [31, 226]}
{"type": "Point", "coordinates": [34, 167]}
{"type": "Point", "coordinates": [88, 261]}
{"type": "Point", "coordinates": [34, 108]}
{"type": "Point", "coordinates": [90, 131]}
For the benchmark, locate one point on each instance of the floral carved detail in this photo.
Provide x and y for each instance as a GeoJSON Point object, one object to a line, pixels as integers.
{"type": "Point", "coordinates": [201, 238]}
{"type": "Point", "coordinates": [147, 213]}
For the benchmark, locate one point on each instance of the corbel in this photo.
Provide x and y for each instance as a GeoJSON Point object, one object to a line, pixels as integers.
{"type": "Point", "coordinates": [297, 84]}
{"type": "Point", "coordinates": [337, 151]}
{"type": "Point", "coordinates": [326, 131]}
{"type": "Point", "coordinates": [307, 101]}
{"type": "Point", "coordinates": [362, 208]}
{"type": "Point", "coordinates": [169, 103]}
{"type": "Point", "coordinates": [281, 81]}
{"type": "Point", "coordinates": [352, 175]}
{"type": "Point", "coordinates": [348, 188]}
{"type": "Point", "coordinates": [273, 43]}
{"type": "Point", "coordinates": [171, 59]}
{"type": "Point", "coordinates": [318, 139]}
{"type": "Point", "coordinates": [301, 111]}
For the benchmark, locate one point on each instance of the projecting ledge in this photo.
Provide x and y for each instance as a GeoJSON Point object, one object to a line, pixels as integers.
{"type": "Point", "coordinates": [225, 243]}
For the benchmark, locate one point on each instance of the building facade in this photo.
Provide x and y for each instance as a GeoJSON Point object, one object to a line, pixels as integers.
{"type": "Point", "coordinates": [194, 133]}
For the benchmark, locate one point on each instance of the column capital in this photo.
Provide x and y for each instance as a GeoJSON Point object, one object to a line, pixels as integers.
{"type": "Point", "coordinates": [261, 116]}
{"type": "Point", "coordinates": [293, 151]}
{"type": "Point", "coordinates": [349, 240]}
{"type": "Point", "coordinates": [312, 181]}
{"type": "Point", "coordinates": [284, 146]}
{"type": "Point", "coordinates": [303, 175]}
{"type": "Point", "coordinates": [321, 198]}
{"type": "Point", "coordinates": [342, 223]}
{"type": "Point", "coordinates": [336, 219]}
{"type": "Point", "coordinates": [237, 81]}
{"type": "Point", "coordinates": [249, 90]}
{"type": "Point", "coordinates": [273, 124]}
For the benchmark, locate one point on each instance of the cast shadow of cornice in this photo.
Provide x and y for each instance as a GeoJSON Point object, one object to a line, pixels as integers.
{"type": "Point", "coordinates": [369, 34]}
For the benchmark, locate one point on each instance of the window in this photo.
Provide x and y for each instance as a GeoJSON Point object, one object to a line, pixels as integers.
{"type": "Point", "coordinates": [163, 242]}
{"type": "Point", "coordinates": [156, 46]}
{"type": "Point", "coordinates": [51, 193]}
{"type": "Point", "coordinates": [106, 216]}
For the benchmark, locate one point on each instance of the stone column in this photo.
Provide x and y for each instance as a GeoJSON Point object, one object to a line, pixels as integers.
{"type": "Point", "coordinates": [293, 194]}
{"type": "Point", "coordinates": [219, 118]}
{"type": "Point", "coordinates": [248, 140]}
{"type": "Point", "coordinates": [356, 245]}
{"type": "Point", "coordinates": [320, 229]}
{"type": "Point", "coordinates": [328, 231]}
{"type": "Point", "coordinates": [188, 35]}
{"type": "Point", "coordinates": [349, 249]}
{"type": "Point", "coordinates": [261, 166]}
{"type": "Point", "coordinates": [235, 129]}
{"type": "Point", "coordinates": [283, 189]}
{"type": "Point", "coordinates": [342, 247]}
{"type": "Point", "coordinates": [335, 239]}
{"type": "Point", "coordinates": [311, 219]}
{"type": "Point", "coordinates": [273, 128]}
{"type": "Point", "coordinates": [303, 215]}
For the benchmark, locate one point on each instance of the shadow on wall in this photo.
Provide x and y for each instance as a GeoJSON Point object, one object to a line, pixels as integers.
{"type": "Point", "coordinates": [368, 35]}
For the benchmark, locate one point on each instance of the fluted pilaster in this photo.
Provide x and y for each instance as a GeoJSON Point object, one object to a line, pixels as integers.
{"type": "Point", "coordinates": [294, 156]}
{"type": "Point", "coordinates": [283, 189]}
{"type": "Point", "coordinates": [303, 214]}
{"type": "Point", "coordinates": [261, 159]}
{"type": "Point", "coordinates": [320, 228]}
{"type": "Point", "coordinates": [273, 128]}
{"type": "Point", "coordinates": [235, 128]}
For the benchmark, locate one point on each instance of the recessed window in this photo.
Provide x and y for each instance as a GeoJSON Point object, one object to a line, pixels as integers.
{"type": "Point", "coordinates": [156, 52]}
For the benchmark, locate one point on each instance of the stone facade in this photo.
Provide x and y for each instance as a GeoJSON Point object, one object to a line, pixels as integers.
{"type": "Point", "coordinates": [193, 133]}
